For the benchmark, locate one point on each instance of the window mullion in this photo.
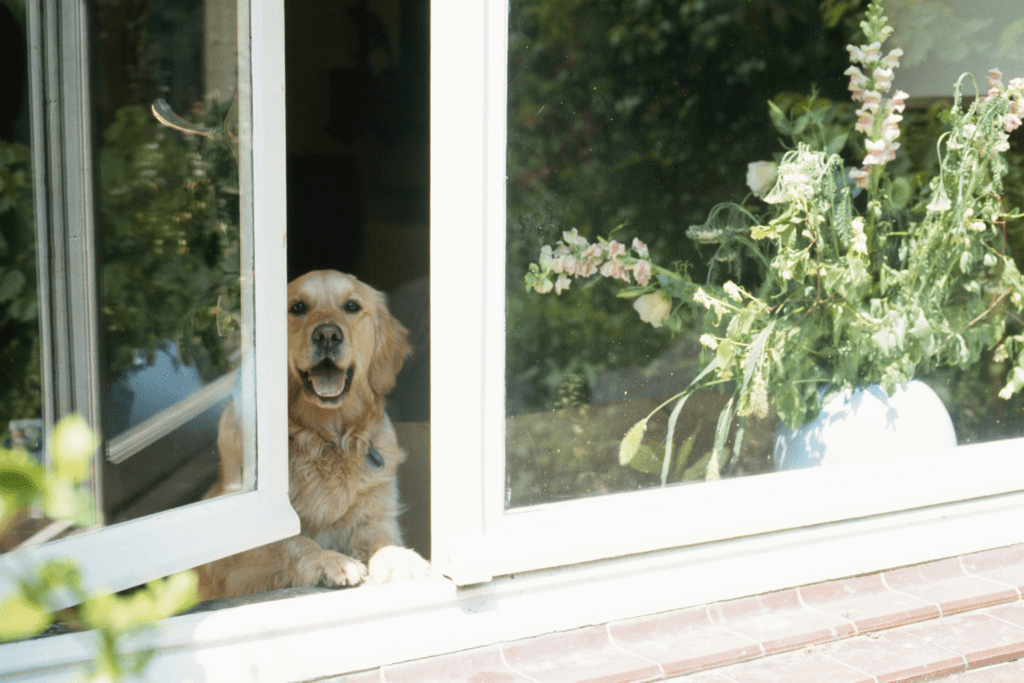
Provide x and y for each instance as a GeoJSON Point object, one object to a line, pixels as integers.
{"type": "Point", "coordinates": [65, 212]}
{"type": "Point", "coordinates": [458, 216]}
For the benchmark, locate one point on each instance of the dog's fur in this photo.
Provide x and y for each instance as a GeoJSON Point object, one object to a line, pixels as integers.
{"type": "Point", "coordinates": [344, 351]}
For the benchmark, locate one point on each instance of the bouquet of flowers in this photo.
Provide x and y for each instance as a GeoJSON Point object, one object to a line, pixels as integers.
{"type": "Point", "coordinates": [864, 277]}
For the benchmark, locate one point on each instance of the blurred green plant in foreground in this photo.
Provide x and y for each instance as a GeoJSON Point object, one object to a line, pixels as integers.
{"type": "Point", "coordinates": [31, 608]}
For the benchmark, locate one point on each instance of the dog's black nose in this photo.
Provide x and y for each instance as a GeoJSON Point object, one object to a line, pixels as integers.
{"type": "Point", "coordinates": [327, 338]}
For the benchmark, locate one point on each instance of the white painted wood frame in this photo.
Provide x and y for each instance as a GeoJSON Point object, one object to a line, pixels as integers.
{"type": "Point", "coordinates": [515, 574]}
{"type": "Point", "coordinates": [131, 553]}
{"type": "Point", "coordinates": [475, 537]}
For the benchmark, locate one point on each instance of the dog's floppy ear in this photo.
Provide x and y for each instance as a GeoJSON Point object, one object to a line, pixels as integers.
{"type": "Point", "coordinates": [392, 350]}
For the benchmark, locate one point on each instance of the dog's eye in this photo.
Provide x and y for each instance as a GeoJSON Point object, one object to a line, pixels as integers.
{"type": "Point", "coordinates": [352, 307]}
{"type": "Point", "coordinates": [298, 308]}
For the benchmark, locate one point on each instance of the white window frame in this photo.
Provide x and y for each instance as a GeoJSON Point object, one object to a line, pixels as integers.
{"type": "Point", "coordinates": [131, 553]}
{"type": "Point", "coordinates": [520, 573]}
{"type": "Point", "coordinates": [483, 539]}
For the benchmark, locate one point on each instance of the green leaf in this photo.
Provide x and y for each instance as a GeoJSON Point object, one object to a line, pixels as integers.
{"type": "Point", "coordinates": [721, 436]}
{"type": "Point", "coordinates": [23, 617]}
{"type": "Point", "coordinates": [12, 283]}
{"type": "Point", "coordinates": [837, 143]}
{"type": "Point", "coordinates": [800, 125]}
{"type": "Point", "coordinates": [60, 573]}
{"type": "Point", "coordinates": [724, 355]}
{"type": "Point", "coordinates": [66, 501]}
{"type": "Point", "coordinates": [631, 292]}
{"type": "Point", "coordinates": [921, 327]}
{"type": "Point", "coordinates": [756, 349]}
{"type": "Point", "coordinates": [740, 324]}
{"type": "Point", "coordinates": [22, 479]}
{"type": "Point", "coordinates": [670, 437]}
{"type": "Point", "coordinates": [631, 442]}
{"type": "Point", "coordinates": [900, 193]}
{"type": "Point", "coordinates": [116, 614]}
{"type": "Point", "coordinates": [697, 470]}
{"type": "Point", "coordinates": [108, 613]}
{"type": "Point", "coordinates": [646, 460]}
{"type": "Point", "coordinates": [73, 445]}
{"type": "Point", "coordinates": [779, 119]}
{"type": "Point", "coordinates": [174, 594]}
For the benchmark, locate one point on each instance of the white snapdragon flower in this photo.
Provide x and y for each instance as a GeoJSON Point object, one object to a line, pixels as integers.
{"type": "Point", "coordinates": [615, 269]}
{"type": "Point", "coordinates": [585, 268]}
{"type": "Point", "coordinates": [642, 272]}
{"type": "Point", "coordinates": [877, 151]}
{"type": "Point", "coordinates": [761, 177]}
{"type": "Point", "coordinates": [860, 177]}
{"type": "Point", "coordinates": [709, 341]}
{"type": "Point", "coordinates": [883, 79]}
{"type": "Point", "coordinates": [899, 101]}
{"type": "Point", "coordinates": [592, 253]}
{"type": "Point", "coordinates": [616, 249]}
{"type": "Point", "coordinates": [654, 307]}
{"type": "Point", "coordinates": [859, 243]}
{"type": "Point", "coordinates": [940, 201]}
{"type": "Point", "coordinates": [546, 258]}
{"type": "Point", "coordinates": [858, 83]}
{"type": "Point", "coordinates": [702, 298]}
{"type": "Point", "coordinates": [892, 60]}
{"type": "Point", "coordinates": [574, 238]}
{"type": "Point", "coordinates": [995, 79]}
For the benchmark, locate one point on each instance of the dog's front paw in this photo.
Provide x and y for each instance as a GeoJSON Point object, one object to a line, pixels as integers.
{"type": "Point", "coordinates": [392, 563]}
{"type": "Point", "coordinates": [331, 569]}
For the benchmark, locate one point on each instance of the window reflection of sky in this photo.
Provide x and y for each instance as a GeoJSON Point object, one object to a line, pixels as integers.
{"type": "Point", "coordinates": [149, 387]}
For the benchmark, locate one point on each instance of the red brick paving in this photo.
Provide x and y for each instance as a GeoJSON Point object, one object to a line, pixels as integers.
{"type": "Point", "coordinates": [960, 619]}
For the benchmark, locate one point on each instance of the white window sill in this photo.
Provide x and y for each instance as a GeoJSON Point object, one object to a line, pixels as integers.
{"type": "Point", "coordinates": [328, 634]}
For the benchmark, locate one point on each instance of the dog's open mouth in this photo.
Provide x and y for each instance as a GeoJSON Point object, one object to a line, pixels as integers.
{"type": "Point", "coordinates": [327, 381]}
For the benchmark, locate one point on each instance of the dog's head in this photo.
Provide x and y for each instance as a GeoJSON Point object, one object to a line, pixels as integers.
{"type": "Point", "coordinates": [344, 346]}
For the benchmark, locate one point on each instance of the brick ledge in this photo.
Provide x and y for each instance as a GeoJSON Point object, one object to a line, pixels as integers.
{"type": "Point", "coordinates": [917, 623]}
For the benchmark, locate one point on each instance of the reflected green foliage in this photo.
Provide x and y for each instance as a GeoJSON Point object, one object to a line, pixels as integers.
{"type": "Point", "coordinates": [19, 311]}
{"type": "Point", "coordinates": [568, 341]}
{"type": "Point", "coordinates": [642, 114]}
{"type": "Point", "coordinates": [29, 610]}
{"type": "Point", "coordinates": [169, 252]}
{"type": "Point", "coordinates": [167, 219]}
{"type": "Point", "coordinates": [169, 226]}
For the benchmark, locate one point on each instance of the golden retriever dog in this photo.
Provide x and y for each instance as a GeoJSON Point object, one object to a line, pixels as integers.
{"type": "Point", "coordinates": [344, 351]}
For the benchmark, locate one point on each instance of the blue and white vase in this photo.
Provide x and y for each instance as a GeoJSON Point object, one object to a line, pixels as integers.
{"type": "Point", "coordinates": [867, 424]}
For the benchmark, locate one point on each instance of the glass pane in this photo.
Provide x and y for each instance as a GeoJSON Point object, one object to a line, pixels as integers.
{"type": "Point", "coordinates": [635, 121]}
{"type": "Point", "coordinates": [166, 76]}
{"type": "Point", "coordinates": [20, 387]}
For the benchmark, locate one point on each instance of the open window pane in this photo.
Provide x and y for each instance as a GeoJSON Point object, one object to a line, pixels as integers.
{"type": "Point", "coordinates": [169, 245]}
{"type": "Point", "coordinates": [637, 122]}
{"type": "Point", "coordinates": [187, 256]}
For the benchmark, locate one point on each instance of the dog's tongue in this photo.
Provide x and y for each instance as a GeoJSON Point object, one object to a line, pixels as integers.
{"type": "Point", "coordinates": [327, 380]}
